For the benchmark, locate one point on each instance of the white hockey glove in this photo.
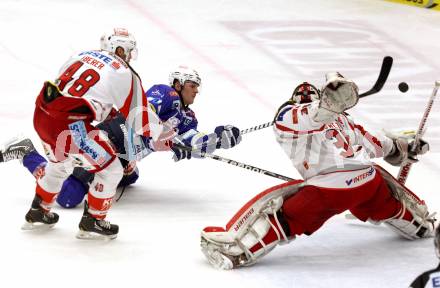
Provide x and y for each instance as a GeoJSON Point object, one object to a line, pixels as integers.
{"type": "Point", "coordinates": [338, 93]}
{"type": "Point", "coordinates": [404, 149]}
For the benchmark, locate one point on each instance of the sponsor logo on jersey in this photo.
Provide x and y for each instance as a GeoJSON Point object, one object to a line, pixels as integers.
{"type": "Point", "coordinates": [88, 146]}
{"type": "Point", "coordinates": [113, 62]}
{"type": "Point", "coordinates": [361, 177]}
{"type": "Point", "coordinates": [98, 55]}
{"type": "Point", "coordinates": [156, 93]}
{"type": "Point", "coordinates": [173, 94]}
{"type": "Point", "coordinates": [116, 65]}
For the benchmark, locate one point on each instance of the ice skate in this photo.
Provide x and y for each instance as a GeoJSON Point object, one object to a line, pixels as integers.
{"type": "Point", "coordinates": [38, 218]}
{"type": "Point", "coordinates": [16, 148]}
{"type": "Point", "coordinates": [92, 228]}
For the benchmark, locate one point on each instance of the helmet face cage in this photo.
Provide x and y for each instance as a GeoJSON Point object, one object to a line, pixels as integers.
{"type": "Point", "coordinates": [120, 38]}
{"type": "Point", "coordinates": [183, 74]}
{"type": "Point", "coordinates": [305, 93]}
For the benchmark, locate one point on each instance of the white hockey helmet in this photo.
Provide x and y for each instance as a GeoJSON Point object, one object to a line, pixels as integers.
{"type": "Point", "coordinates": [120, 38]}
{"type": "Point", "coordinates": [305, 93]}
{"type": "Point", "coordinates": [437, 241]}
{"type": "Point", "coordinates": [183, 74]}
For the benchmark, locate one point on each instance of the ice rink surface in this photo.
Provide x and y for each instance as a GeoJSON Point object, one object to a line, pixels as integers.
{"type": "Point", "coordinates": [250, 54]}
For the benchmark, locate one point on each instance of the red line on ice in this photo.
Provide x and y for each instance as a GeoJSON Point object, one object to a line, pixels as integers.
{"type": "Point", "coordinates": [167, 29]}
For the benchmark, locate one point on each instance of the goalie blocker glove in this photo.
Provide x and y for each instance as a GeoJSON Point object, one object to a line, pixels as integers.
{"type": "Point", "coordinates": [403, 148]}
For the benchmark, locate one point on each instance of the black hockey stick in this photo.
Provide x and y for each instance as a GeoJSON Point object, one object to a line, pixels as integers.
{"type": "Point", "coordinates": [387, 63]}
{"type": "Point", "coordinates": [236, 163]}
{"type": "Point", "coordinates": [248, 167]}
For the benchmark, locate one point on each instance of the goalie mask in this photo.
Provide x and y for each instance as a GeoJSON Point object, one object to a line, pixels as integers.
{"type": "Point", "coordinates": [120, 38]}
{"type": "Point", "coordinates": [183, 74]}
{"type": "Point", "coordinates": [305, 93]}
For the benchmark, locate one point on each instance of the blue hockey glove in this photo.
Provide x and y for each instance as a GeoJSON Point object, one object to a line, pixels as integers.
{"type": "Point", "coordinates": [181, 152]}
{"type": "Point", "coordinates": [202, 144]}
{"type": "Point", "coordinates": [228, 136]}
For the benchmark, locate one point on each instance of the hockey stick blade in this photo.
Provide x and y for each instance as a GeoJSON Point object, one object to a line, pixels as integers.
{"type": "Point", "coordinates": [387, 63]}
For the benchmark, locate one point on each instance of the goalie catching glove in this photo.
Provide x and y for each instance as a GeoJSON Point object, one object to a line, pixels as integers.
{"type": "Point", "coordinates": [338, 94]}
{"type": "Point", "coordinates": [224, 137]}
{"type": "Point", "coordinates": [405, 148]}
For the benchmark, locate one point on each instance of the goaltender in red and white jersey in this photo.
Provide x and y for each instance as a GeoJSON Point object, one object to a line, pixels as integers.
{"type": "Point", "coordinates": [318, 150]}
{"type": "Point", "coordinates": [333, 155]}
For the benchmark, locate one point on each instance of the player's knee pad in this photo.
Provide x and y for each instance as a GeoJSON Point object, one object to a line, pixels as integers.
{"type": "Point", "coordinates": [72, 193]}
{"type": "Point", "coordinates": [413, 220]}
{"type": "Point", "coordinates": [55, 174]}
{"type": "Point", "coordinates": [252, 233]}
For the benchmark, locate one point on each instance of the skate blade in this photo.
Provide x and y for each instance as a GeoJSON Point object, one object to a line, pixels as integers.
{"type": "Point", "coordinates": [36, 226]}
{"type": "Point", "coordinates": [215, 258]}
{"type": "Point", "coordinates": [85, 235]}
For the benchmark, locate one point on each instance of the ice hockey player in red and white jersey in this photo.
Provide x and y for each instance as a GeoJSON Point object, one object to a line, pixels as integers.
{"type": "Point", "coordinates": [332, 153]}
{"type": "Point", "coordinates": [91, 86]}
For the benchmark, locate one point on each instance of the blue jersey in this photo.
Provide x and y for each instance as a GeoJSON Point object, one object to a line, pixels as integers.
{"type": "Point", "coordinates": [167, 105]}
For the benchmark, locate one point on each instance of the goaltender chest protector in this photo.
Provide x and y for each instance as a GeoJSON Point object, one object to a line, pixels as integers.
{"type": "Point", "coordinates": [341, 135]}
{"type": "Point", "coordinates": [317, 148]}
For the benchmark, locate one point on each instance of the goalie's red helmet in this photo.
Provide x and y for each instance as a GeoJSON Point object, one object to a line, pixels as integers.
{"type": "Point", "coordinates": [437, 241]}
{"type": "Point", "coordinates": [305, 93]}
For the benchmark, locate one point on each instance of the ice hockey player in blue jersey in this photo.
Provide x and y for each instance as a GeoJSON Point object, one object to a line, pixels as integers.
{"type": "Point", "coordinates": [171, 104]}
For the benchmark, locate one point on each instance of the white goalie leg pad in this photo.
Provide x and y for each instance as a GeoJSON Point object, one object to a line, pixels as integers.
{"type": "Point", "coordinates": [422, 223]}
{"type": "Point", "coordinates": [242, 243]}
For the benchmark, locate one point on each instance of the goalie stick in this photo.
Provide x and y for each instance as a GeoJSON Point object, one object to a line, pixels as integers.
{"type": "Point", "coordinates": [406, 165]}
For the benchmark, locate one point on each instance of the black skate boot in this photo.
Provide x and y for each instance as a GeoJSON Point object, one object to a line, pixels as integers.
{"type": "Point", "coordinates": [92, 228]}
{"type": "Point", "coordinates": [16, 148]}
{"type": "Point", "coordinates": [38, 218]}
